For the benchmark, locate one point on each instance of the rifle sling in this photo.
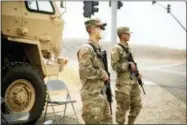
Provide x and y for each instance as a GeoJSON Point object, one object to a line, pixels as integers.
{"type": "Point", "coordinates": [95, 49]}
{"type": "Point", "coordinates": [128, 53]}
{"type": "Point", "coordinates": [124, 48]}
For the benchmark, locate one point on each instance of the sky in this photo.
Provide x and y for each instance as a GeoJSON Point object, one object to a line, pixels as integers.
{"type": "Point", "coordinates": [150, 24]}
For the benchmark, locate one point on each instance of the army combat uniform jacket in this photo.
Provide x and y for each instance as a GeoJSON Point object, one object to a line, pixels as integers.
{"type": "Point", "coordinates": [120, 64]}
{"type": "Point", "coordinates": [127, 92]}
{"type": "Point", "coordinates": [91, 70]}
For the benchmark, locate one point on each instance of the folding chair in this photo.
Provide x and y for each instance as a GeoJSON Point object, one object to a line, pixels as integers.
{"type": "Point", "coordinates": [14, 117]}
{"type": "Point", "coordinates": [58, 85]}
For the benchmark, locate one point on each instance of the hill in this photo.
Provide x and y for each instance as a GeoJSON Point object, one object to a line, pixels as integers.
{"type": "Point", "coordinates": [71, 46]}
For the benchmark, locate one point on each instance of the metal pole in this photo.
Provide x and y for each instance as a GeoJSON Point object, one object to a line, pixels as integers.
{"type": "Point", "coordinates": [162, 6]}
{"type": "Point", "coordinates": [178, 22]}
{"type": "Point", "coordinates": [113, 22]}
{"type": "Point", "coordinates": [174, 17]}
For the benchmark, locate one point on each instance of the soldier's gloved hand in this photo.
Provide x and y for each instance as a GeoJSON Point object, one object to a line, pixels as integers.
{"type": "Point", "coordinates": [132, 66]}
{"type": "Point", "coordinates": [104, 76]}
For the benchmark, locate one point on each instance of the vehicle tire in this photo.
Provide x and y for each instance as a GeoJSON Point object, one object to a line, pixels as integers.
{"type": "Point", "coordinates": [23, 89]}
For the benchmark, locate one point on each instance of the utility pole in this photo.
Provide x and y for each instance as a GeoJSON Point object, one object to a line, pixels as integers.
{"type": "Point", "coordinates": [113, 22]}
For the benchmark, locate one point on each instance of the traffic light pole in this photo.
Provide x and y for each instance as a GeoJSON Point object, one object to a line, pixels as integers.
{"type": "Point", "coordinates": [174, 17]}
{"type": "Point", "coordinates": [178, 22]}
{"type": "Point", "coordinates": [113, 22]}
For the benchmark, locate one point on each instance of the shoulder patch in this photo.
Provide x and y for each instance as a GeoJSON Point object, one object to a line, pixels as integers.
{"type": "Point", "coordinates": [83, 52]}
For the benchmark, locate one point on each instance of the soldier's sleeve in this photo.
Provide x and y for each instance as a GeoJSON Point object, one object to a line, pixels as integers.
{"type": "Point", "coordinates": [117, 65]}
{"type": "Point", "coordinates": [86, 68]}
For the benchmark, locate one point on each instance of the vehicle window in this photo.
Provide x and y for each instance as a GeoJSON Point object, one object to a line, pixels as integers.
{"type": "Point", "coordinates": [45, 6]}
{"type": "Point", "coordinates": [32, 5]}
{"type": "Point", "coordinates": [40, 7]}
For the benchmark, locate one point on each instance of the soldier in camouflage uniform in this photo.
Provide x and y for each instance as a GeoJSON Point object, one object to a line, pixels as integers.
{"type": "Point", "coordinates": [127, 92]}
{"type": "Point", "coordinates": [95, 107]}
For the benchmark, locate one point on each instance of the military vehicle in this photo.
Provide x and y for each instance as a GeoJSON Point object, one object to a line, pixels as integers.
{"type": "Point", "coordinates": [31, 37]}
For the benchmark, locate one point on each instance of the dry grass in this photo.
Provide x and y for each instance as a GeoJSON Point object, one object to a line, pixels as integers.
{"type": "Point", "coordinates": [69, 74]}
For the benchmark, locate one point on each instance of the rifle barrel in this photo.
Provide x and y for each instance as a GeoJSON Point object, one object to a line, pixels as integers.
{"type": "Point", "coordinates": [143, 89]}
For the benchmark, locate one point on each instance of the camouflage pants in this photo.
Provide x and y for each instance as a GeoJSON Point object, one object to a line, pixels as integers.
{"type": "Point", "coordinates": [95, 110]}
{"type": "Point", "coordinates": [128, 97]}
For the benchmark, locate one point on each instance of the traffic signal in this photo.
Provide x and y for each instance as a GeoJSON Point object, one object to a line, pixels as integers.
{"type": "Point", "coordinates": [87, 8]}
{"type": "Point", "coordinates": [168, 8]}
{"type": "Point", "coordinates": [94, 7]}
{"type": "Point", "coordinates": [120, 4]}
{"type": "Point", "coordinates": [90, 7]}
{"type": "Point", "coordinates": [153, 2]}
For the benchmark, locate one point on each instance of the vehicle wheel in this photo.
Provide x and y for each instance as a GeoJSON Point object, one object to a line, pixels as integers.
{"type": "Point", "coordinates": [23, 89]}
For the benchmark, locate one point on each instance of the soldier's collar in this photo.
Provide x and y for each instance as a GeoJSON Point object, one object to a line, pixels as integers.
{"type": "Point", "coordinates": [95, 44]}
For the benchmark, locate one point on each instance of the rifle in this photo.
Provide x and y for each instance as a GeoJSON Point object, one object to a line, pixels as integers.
{"type": "Point", "coordinates": [107, 83]}
{"type": "Point", "coordinates": [136, 73]}
{"type": "Point", "coordinates": [103, 58]}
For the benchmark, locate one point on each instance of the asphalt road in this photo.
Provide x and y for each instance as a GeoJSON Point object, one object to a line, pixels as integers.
{"type": "Point", "coordinates": [171, 77]}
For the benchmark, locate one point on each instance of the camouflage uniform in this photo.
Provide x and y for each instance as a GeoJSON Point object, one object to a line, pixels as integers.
{"type": "Point", "coordinates": [127, 91]}
{"type": "Point", "coordinates": [95, 107]}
